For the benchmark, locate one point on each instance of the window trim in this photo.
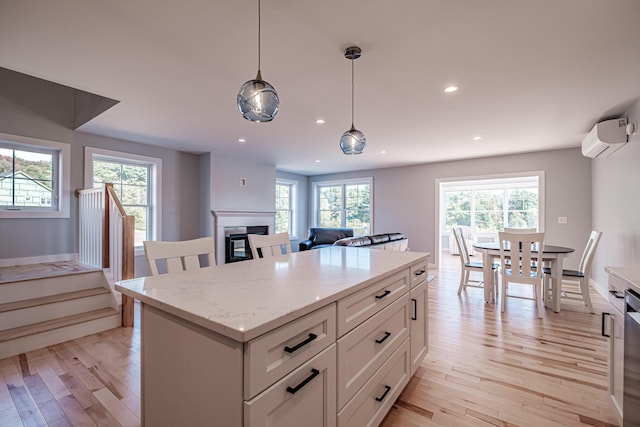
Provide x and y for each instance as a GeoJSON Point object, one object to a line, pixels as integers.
{"type": "Point", "coordinates": [343, 182]}
{"type": "Point", "coordinates": [293, 196]}
{"type": "Point", "coordinates": [155, 195]}
{"type": "Point", "coordinates": [63, 178]}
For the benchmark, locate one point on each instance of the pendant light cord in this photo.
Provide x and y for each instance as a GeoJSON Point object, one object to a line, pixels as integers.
{"type": "Point", "coordinates": [352, 95]}
{"type": "Point", "coordinates": [259, 31]}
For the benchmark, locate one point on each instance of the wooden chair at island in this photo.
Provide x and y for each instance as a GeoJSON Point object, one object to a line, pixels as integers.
{"type": "Point", "coordinates": [269, 245]}
{"type": "Point", "coordinates": [173, 257]}
{"type": "Point", "coordinates": [579, 276]}
{"type": "Point", "coordinates": [467, 266]}
{"type": "Point", "coordinates": [518, 249]}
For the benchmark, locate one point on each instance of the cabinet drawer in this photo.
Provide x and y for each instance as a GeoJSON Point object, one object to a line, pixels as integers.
{"type": "Point", "coordinates": [362, 351]}
{"type": "Point", "coordinates": [616, 293]}
{"type": "Point", "coordinates": [358, 307]}
{"type": "Point", "coordinates": [419, 273]}
{"type": "Point", "coordinates": [373, 401]}
{"type": "Point", "coordinates": [276, 353]}
{"type": "Point", "coordinates": [304, 397]}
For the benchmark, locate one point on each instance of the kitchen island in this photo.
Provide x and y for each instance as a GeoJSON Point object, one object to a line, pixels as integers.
{"type": "Point", "coordinates": [326, 337]}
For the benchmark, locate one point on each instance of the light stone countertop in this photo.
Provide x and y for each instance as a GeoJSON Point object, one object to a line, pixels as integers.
{"type": "Point", "coordinates": [630, 275]}
{"type": "Point", "coordinates": [243, 300]}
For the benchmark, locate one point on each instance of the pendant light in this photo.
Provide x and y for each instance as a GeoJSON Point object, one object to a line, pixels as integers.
{"type": "Point", "coordinates": [258, 100]}
{"type": "Point", "coordinates": [353, 141]}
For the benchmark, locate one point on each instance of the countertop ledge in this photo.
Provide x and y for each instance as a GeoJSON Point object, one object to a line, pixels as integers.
{"type": "Point", "coordinates": [630, 275]}
{"type": "Point", "coordinates": [246, 299]}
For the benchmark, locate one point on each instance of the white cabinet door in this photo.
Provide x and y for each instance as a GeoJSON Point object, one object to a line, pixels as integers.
{"type": "Point", "coordinates": [616, 359]}
{"type": "Point", "coordinates": [307, 396]}
{"type": "Point", "coordinates": [419, 325]}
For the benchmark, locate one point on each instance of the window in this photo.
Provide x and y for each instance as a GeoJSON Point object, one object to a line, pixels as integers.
{"type": "Point", "coordinates": [344, 204]}
{"type": "Point", "coordinates": [286, 217]}
{"type": "Point", "coordinates": [34, 178]}
{"type": "Point", "coordinates": [136, 181]}
{"type": "Point", "coordinates": [489, 205]}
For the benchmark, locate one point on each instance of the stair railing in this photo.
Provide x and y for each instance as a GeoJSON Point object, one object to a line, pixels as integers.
{"type": "Point", "coordinates": [107, 238]}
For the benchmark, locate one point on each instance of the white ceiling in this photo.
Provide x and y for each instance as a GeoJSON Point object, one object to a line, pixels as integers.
{"type": "Point", "coordinates": [533, 74]}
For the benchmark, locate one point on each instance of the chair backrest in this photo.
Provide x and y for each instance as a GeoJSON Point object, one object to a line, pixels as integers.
{"type": "Point", "coordinates": [521, 249]}
{"type": "Point", "coordinates": [520, 230]}
{"type": "Point", "coordinates": [589, 251]}
{"type": "Point", "coordinates": [269, 245]}
{"type": "Point", "coordinates": [178, 256]}
{"type": "Point", "coordinates": [462, 245]}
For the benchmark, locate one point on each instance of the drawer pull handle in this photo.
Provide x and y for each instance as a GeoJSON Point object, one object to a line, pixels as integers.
{"type": "Point", "coordinates": [381, 398]}
{"type": "Point", "coordinates": [301, 344]}
{"type": "Point", "coordinates": [603, 315]}
{"type": "Point", "coordinates": [615, 294]}
{"type": "Point", "coordinates": [384, 294]}
{"type": "Point", "coordinates": [383, 339]}
{"type": "Point", "coordinates": [415, 309]}
{"type": "Point", "coordinates": [419, 272]}
{"type": "Point", "coordinates": [294, 390]}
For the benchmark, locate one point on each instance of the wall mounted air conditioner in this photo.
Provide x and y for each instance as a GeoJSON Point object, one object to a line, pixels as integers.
{"type": "Point", "coordinates": [605, 138]}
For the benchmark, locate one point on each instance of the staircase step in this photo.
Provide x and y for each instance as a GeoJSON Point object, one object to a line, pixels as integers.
{"type": "Point", "coordinates": [19, 273]}
{"type": "Point", "coordinates": [33, 302]}
{"type": "Point", "coordinates": [49, 325]}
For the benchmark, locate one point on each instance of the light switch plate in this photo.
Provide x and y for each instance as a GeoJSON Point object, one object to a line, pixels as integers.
{"type": "Point", "coordinates": [562, 220]}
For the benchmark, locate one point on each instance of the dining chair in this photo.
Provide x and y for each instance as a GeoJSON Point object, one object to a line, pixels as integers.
{"type": "Point", "coordinates": [467, 266]}
{"type": "Point", "coordinates": [173, 257]}
{"type": "Point", "coordinates": [269, 245]}
{"type": "Point", "coordinates": [521, 249]}
{"type": "Point", "coordinates": [579, 276]}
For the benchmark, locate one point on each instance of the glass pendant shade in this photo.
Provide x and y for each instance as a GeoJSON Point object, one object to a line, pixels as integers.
{"type": "Point", "coordinates": [353, 141]}
{"type": "Point", "coordinates": [258, 100]}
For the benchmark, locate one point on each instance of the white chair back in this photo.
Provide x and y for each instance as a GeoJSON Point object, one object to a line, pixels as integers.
{"type": "Point", "coordinates": [269, 245]}
{"type": "Point", "coordinates": [520, 230]}
{"type": "Point", "coordinates": [521, 249]}
{"type": "Point", "coordinates": [178, 256]}
{"type": "Point", "coordinates": [589, 251]}
{"type": "Point", "coordinates": [462, 245]}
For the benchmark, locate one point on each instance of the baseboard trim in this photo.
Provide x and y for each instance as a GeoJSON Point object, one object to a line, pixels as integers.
{"type": "Point", "coordinates": [8, 262]}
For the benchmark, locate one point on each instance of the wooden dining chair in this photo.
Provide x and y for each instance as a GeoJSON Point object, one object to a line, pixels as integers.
{"type": "Point", "coordinates": [467, 266]}
{"type": "Point", "coordinates": [173, 257]}
{"type": "Point", "coordinates": [520, 230]}
{"type": "Point", "coordinates": [269, 245]}
{"type": "Point", "coordinates": [579, 277]}
{"type": "Point", "coordinates": [521, 249]}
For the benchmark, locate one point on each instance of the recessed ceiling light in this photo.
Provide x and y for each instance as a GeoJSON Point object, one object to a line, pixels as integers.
{"type": "Point", "coordinates": [320, 121]}
{"type": "Point", "coordinates": [383, 152]}
{"type": "Point", "coordinates": [451, 89]}
{"type": "Point", "coordinates": [477, 138]}
{"type": "Point", "coordinates": [242, 140]}
{"type": "Point", "coordinates": [317, 161]}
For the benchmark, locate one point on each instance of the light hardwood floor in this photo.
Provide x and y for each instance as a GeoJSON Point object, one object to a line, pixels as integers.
{"type": "Point", "coordinates": [483, 368]}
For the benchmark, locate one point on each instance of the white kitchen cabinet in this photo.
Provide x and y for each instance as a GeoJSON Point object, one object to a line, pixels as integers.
{"type": "Point", "coordinates": [419, 325]}
{"type": "Point", "coordinates": [616, 344]}
{"type": "Point", "coordinates": [277, 341]}
{"type": "Point", "coordinates": [308, 393]}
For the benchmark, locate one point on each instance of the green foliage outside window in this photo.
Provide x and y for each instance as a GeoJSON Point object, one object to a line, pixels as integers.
{"type": "Point", "coordinates": [345, 206]}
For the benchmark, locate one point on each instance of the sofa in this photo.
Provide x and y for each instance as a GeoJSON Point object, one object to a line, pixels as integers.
{"type": "Point", "coordinates": [386, 241]}
{"type": "Point", "coordinates": [321, 237]}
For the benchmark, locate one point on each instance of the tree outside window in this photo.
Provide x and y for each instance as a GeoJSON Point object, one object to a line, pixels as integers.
{"type": "Point", "coordinates": [346, 204]}
{"type": "Point", "coordinates": [285, 207]}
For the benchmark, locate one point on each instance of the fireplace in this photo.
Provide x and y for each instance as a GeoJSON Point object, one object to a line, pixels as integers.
{"type": "Point", "coordinates": [236, 242]}
{"type": "Point", "coordinates": [231, 227]}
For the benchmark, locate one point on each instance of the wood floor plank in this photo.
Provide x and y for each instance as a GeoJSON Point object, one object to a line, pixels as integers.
{"type": "Point", "coordinates": [27, 408]}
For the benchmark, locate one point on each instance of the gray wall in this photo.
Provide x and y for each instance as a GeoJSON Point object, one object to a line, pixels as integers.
{"type": "Point", "coordinates": [40, 237]}
{"type": "Point", "coordinates": [258, 194]}
{"type": "Point", "coordinates": [405, 197]}
{"type": "Point", "coordinates": [616, 206]}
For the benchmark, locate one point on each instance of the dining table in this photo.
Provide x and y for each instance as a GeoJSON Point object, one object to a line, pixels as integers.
{"type": "Point", "coordinates": [553, 256]}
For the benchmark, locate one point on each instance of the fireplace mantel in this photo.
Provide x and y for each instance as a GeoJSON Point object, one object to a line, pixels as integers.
{"type": "Point", "coordinates": [234, 218]}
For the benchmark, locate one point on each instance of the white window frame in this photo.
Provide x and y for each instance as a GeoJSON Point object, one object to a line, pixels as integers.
{"type": "Point", "coordinates": [62, 177]}
{"type": "Point", "coordinates": [155, 183]}
{"type": "Point", "coordinates": [293, 205]}
{"type": "Point", "coordinates": [343, 182]}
